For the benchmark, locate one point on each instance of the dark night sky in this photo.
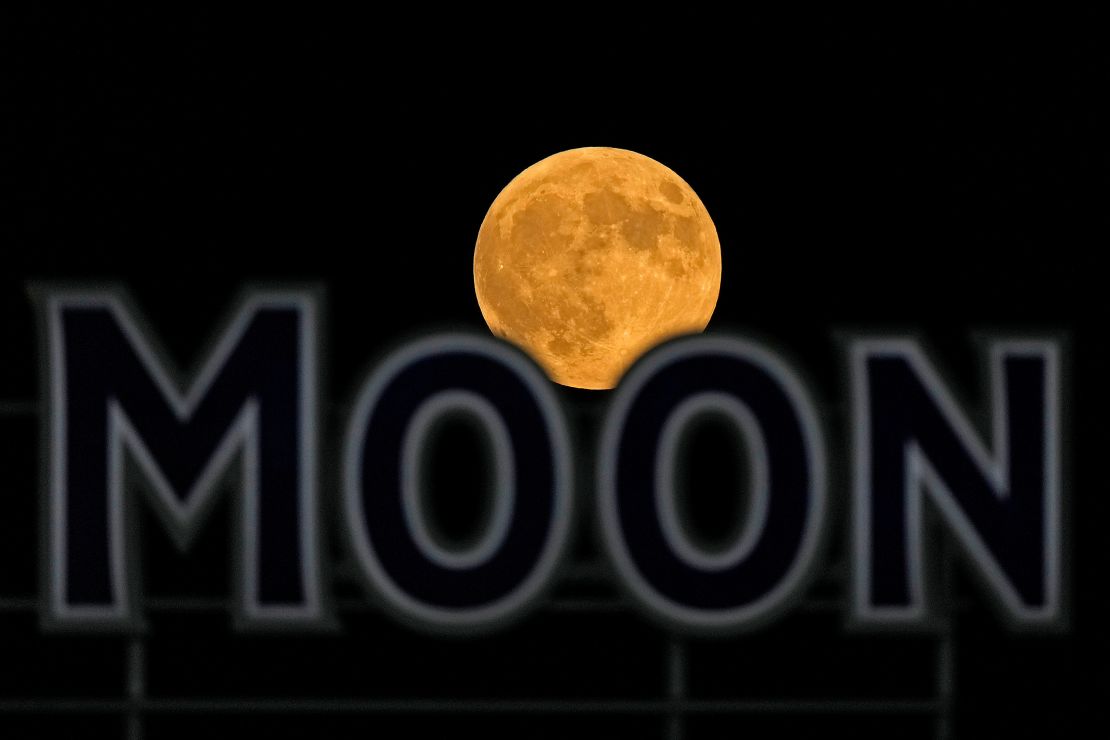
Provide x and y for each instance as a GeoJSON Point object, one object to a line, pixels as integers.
{"type": "Point", "coordinates": [857, 180]}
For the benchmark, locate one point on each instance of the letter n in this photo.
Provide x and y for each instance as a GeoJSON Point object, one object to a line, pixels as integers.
{"type": "Point", "coordinates": [915, 451]}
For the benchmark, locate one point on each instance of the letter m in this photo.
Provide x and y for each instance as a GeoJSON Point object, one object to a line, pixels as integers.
{"type": "Point", "coordinates": [113, 406]}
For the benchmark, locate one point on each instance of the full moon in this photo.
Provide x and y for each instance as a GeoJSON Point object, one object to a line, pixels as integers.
{"type": "Point", "coordinates": [593, 256]}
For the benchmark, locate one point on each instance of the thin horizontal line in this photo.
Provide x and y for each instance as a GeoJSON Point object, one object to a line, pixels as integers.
{"type": "Point", "coordinates": [586, 605]}
{"type": "Point", "coordinates": [577, 572]}
{"type": "Point", "coordinates": [459, 706]}
{"type": "Point", "coordinates": [18, 408]}
{"type": "Point", "coordinates": [63, 706]}
{"type": "Point", "coordinates": [594, 570]}
{"type": "Point", "coordinates": [357, 606]}
{"type": "Point", "coordinates": [18, 604]}
{"type": "Point", "coordinates": [352, 605]}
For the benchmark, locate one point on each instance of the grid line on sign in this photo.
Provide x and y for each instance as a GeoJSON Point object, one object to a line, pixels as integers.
{"type": "Point", "coordinates": [672, 710]}
{"type": "Point", "coordinates": [18, 408]}
{"type": "Point", "coordinates": [676, 675]}
{"type": "Point", "coordinates": [136, 686]}
{"type": "Point", "coordinates": [946, 654]}
{"type": "Point", "coordinates": [664, 707]}
{"type": "Point", "coordinates": [173, 604]}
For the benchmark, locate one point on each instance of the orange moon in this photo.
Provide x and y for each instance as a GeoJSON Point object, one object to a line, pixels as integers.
{"type": "Point", "coordinates": [593, 256]}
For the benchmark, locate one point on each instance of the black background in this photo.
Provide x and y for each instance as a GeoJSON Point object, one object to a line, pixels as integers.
{"type": "Point", "coordinates": [857, 179]}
